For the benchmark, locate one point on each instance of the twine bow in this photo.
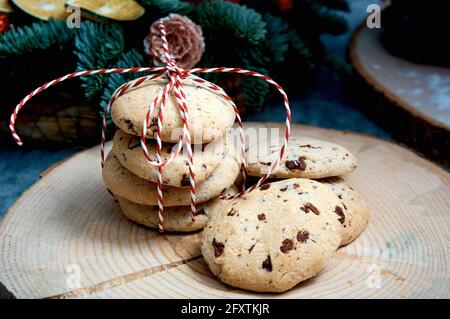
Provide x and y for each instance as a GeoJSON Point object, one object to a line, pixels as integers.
{"type": "Point", "coordinates": [174, 75]}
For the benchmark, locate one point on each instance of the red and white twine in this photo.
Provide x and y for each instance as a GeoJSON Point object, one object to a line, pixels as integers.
{"type": "Point", "coordinates": [174, 75]}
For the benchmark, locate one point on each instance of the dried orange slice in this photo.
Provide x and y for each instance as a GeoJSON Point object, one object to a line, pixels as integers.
{"type": "Point", "coordinates": [5, 7]}
{"type": "Point", "coordinates": [43, 9]}
{"type": "Point", "coordinates": [121, 10]}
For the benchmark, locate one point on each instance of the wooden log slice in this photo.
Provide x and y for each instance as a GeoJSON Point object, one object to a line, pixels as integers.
{"type": "Point", "coordinates": [67, 227]}
{"type": "Point", "coordinates": [410, 100]}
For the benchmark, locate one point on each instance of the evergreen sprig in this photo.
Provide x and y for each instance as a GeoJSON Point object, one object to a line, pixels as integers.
{"type": "Point", "coordinates": [268, 57]}
{"type": "Point", "coordinates": [38, 36]}
{"type": "Point", "coordinates": [98, 46]}
{"type": "Point", "coordinates": [253, 34]}
{"type": "Point", "coordinates": [242, 22]}
{"type": "Point", "coordinates": [165, 7]}
{"type": "Point", "coordinates": [279, 36]}
{"type": "Point", "coordinates": [326, 20]}
{"type": "Point", "coordinates": [128, 59]}
{"type": "Point", "coordinates": [255, 90]}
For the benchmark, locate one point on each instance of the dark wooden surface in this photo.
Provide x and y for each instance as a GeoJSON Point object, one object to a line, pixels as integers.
{"type": "Point", "coordinates": [421, 126]}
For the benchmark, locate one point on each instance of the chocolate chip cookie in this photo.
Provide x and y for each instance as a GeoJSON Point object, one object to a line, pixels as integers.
{"type": "Point", "coordinates": [304, 157]}
{"type": "Point", "coordinates": [274, 237]}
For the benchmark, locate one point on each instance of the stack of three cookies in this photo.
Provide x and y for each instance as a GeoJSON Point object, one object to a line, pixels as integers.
{"type": "Point", "coordinates": [132, 179]}
{"type": "Point", "coordinates": [286, 231]}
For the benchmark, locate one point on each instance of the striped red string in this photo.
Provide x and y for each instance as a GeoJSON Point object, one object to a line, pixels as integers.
{"type": "Point", "coordinates": [174, 75]}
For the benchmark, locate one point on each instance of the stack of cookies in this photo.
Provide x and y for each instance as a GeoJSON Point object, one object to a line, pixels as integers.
{"type": "Point", "coordinates": [268, 240]}
{"type": "Point", "coordinates": [285, 232]}
{"type": "Point", "coordinates": [132, 179]}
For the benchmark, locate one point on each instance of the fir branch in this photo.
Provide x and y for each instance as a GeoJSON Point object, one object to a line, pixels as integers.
{"type": "Point", "coordinates": [280, 37]}
{"type": "Point", "coordinates": [301, 50]}
{"type": "Point", "coordinates": [39, 36]}
{"type": "Point", "coordinates": [328, 21]}
{"type": "Point", "coordinates": [165, 7]}
{"type": "Point", "coordinates": [282, 43]}
{"type": "Point", "coordinates": [255, 90]}
{"type": "Point", "coordinates": [338, 65]}
{"type": "Point", "coordinates": [241, 21]}
{"type": "Point", "coordinates": [128, 59]}
{"type": "Point", "coordinates": [97, 47]}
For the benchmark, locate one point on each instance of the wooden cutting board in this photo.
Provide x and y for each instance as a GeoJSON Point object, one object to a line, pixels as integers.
{"type": "Point", "coordinates": [65, 232]}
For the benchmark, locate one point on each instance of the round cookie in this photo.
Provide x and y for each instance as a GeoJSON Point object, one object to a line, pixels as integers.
{"type": "Point", "coordinates": [354, 212]}
{"type": "Point", "coordinates": [176, 218]}
{"type": "Point", "coordinates": [304, 157]}
{"type": "Point", "coordinates": [274, 237]}
{"type": "Point", "coordinates": [206, 158]}
{"type": "Point", "coordinates": [128, 185]}
{"type": "Point", "coordinates": [210, 115]}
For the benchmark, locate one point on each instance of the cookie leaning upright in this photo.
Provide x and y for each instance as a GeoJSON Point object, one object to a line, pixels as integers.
{"type": "Point", "coordinates": [210, 115]}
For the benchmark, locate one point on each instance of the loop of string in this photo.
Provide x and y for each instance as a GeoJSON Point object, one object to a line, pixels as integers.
{"type": "Point", "coordinates": [174, 75]}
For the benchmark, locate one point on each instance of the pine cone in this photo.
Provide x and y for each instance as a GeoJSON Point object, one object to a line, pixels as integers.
{"type": "Point", "coordinates": [185, 39]}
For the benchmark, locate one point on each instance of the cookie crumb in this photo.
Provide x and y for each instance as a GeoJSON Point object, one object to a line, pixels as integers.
{"type": "Point", "coordinates": [262, 216]}
{"type": "Point", "coordinates": [264, 187]}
